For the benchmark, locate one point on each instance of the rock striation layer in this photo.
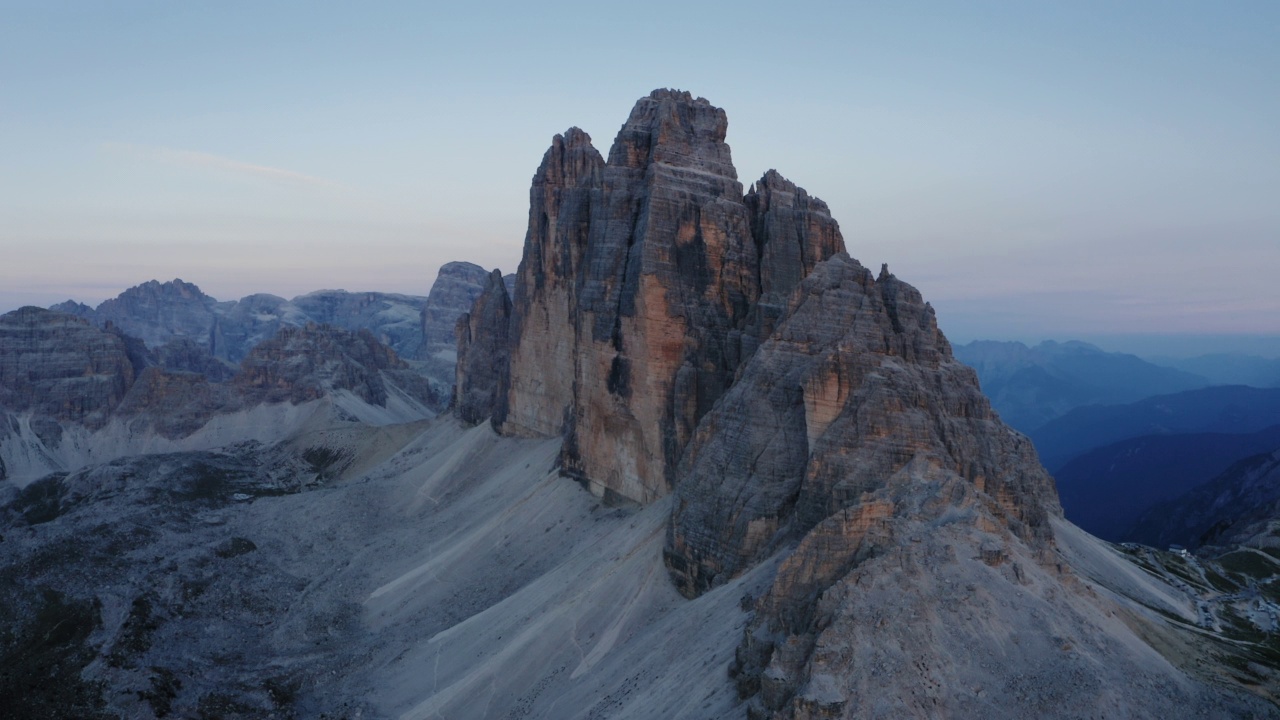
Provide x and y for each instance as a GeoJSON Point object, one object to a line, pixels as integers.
{"type": "Point", "coordinates": [59, 371]}
{"type": "Point", "coordinates": [177, 311]}
{"type": "Point", "coordinates": [483, 353]}
{"type": "Point", "coordinates": [640, 280]}
{"type": "Point", "coordinates": [456, 287]}
{"type": "Point", "coordinates": [820, 443]}
{"type": "Point", "coordinates": [61, 367]}
{"type": "Point", "coordinates": [856, 385]}
{"type": "Point", "coordinates": [849, 431]}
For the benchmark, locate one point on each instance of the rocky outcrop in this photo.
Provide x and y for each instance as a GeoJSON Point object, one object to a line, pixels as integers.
{"type": "Point", "coordinates": [544, 331]}
{"type": "Point", "coordinates": [176, 404]}
{"type": "Point", "coordinates": [188, 356]}
{"type": "Point", "coordinates": [850, 423]}
{"type": "Point", "coordinates": [61, 367]}
{"type": "Point", "coordinates": [240, 326]}
{"type": "Point", "coordinates": [483, 354]}
{"type": "Point", "coordinates": [642, 274]}
{"type": "Point", "coordinates": [57, 369]}
{"type": "Point", "coordinates": [455, 289]}
{"type": "Point", "coordinates": [158, 313]}
{"type": "Point", "coordinates": [306, 363]}
{"type": "Point", "coordinates": [856, 384]}
{"type": "Point", "coordinates": [793, 232]}
{"type": "Point", "coordinates": [393, 319]}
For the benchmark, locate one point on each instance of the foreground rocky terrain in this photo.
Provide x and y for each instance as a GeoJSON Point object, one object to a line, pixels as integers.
{"type": "Point", "coordinates": [788, 500]}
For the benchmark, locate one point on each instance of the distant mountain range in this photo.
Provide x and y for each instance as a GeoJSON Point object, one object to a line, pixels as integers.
{"type": "Point", "coordinates": [1229, 369]}
{"type": "Point", "coordinates": [1235, 508]}
{"type": "Point", "coordinates": [1030, 386]}
{"type": "Point", "coordinates": [1107, 489]}
{"type": "Point", "coordinates": [181, 328]}
{"type": "Point", "coordinates": [1219, 409]}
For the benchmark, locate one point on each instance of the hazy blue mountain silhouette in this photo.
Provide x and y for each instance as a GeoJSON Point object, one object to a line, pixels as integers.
{"type": "Point", "coordinates": [1218, 409]}
{"type": "Point", "coordinates": [1107, 489]}
{"type": "Point", "coordinates": [1029, 386]}
{"type": "Point", "coordinates": [1230, 509]}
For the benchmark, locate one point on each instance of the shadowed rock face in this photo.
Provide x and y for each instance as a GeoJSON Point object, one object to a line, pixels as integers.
{"type": "Point", "coordinates": [176, 311]}
{"type": "Point", "coordinates": [483, 353]}
{"type": "Point", "coordinates": [638, 285]}
{"type": "Point", "coordinates": [61, 370]}
{"type": "Point", "coordinates": [301, 364]}
{"type": "Point", "coordinates": [856, 384]}
{"type": "Point", "coordinates": [158, 312]}
{"type": "Point", "coordinates": [61, 367]}
{"type": "Point", "coordinates": [456, 287]}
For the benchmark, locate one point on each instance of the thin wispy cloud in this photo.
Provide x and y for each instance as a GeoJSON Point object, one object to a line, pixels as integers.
{"type": "Point", "coordinates": [194, 158]}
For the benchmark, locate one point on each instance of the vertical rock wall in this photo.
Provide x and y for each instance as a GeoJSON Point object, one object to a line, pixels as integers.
{"type": "Point", "coordinates": [483, 354]}
{"type": "Point", "coordinates": [636, 300]}
{"type": "Point", "coordinates": [544, 331]}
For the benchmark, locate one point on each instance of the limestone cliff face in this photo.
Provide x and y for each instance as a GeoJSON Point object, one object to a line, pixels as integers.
{"type": "Point", "coordinates": [670, 276]}
{"type": "Point", "coordinates": [793, 232]}
{"type": "Point", "coordinates": [639, 284]}
{"type": "Point", "coordinates": [851, 430]}
{"type": "Point", "coordinates": [60, 366]}
{"type": "Point", "coordinates": [544, 331]}
{"type": "Point", "coordinates": [306, 363]}
{"type": "Point", "coordinates": [483, 354]}
{"type": "Point", "coordinates": [856, 383]}
{"type": "Point", "coordinates": [456, 287]}
{"type": "Point", "coordinates": [158, 312]}
{"type": "Point", "coordinates": [59, 370]}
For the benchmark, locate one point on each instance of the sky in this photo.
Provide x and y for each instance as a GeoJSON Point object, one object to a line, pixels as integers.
{"type": "Point", "coordinates": [1096, 170]}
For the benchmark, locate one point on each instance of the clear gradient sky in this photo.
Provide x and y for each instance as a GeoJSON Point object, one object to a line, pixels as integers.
{"type": "Point", "coordinates": [1038, 170]}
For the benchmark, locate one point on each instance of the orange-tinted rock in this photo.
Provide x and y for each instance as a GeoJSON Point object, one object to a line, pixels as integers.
{"type": "Point", "coordinates": [634, 301]}
{"type": "Point", "coordinates": [856, 383]}
{"type": "Point", "coordinates": [544, 331]}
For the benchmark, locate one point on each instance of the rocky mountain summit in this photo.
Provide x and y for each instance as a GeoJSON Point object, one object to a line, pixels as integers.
{"type": "Point", "coordinates": [159, 313]}
{"type": "Point", "coordinates": [684, 338]}
{"type": "Point", "coordinates": [642, 274]}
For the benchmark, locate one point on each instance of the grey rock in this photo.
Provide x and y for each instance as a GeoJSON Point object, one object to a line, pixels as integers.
{"type": "Point", "coordinates": [61, 367]}
{"type": "Point", "coordinates": [856, 384]}
{"type": "Point", "coordinates": [642, 274]}
{"type": "Point", "coordinates": [483, 353]}
{"type": "Point", "coordinates": [456, 287]}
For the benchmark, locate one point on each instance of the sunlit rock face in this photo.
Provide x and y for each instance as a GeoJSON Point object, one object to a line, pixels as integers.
{"type": "Point", "coordinates": [544, 328]}
{"type": "Point", "coordinates": [639, 293]}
